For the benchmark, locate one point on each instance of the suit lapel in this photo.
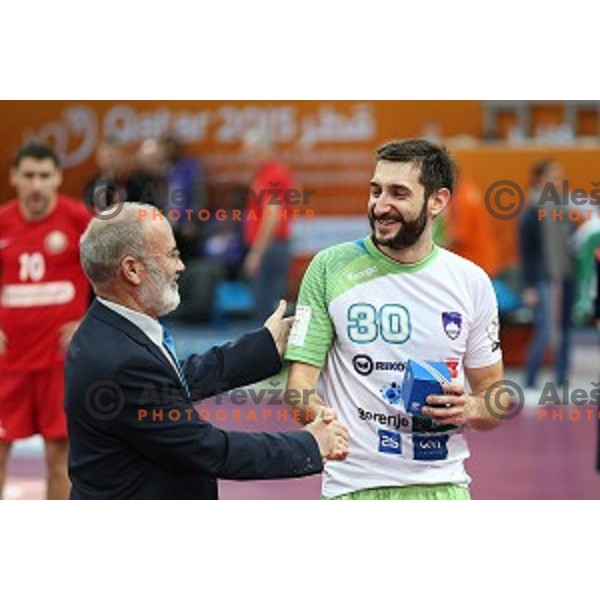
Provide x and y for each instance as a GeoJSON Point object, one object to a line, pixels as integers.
{"type": "Point", "coordinates": [105, 314]}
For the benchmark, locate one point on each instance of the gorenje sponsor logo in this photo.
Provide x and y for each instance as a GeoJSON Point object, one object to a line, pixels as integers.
{"type": "Point", "coordinates": [398, 422]}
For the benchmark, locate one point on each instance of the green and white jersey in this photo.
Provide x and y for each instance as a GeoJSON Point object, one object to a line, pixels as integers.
{"type": "Point", "coordinates": [360, 317]}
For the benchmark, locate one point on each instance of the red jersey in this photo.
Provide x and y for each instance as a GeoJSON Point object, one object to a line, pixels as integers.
{"type": "Point", "coordinates": [42, 284]}
{"type": "Point", "coordinates": [268, 189]}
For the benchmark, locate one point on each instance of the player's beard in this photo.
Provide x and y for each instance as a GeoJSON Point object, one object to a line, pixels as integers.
{"type": "Point", "coordinates": [169, 295]}
{"type": "Point", "coordinates": [408, 234]}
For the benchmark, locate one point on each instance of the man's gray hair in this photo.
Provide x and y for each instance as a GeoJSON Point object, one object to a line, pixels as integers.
{"type": "Point", "coordinates": [107, 241]}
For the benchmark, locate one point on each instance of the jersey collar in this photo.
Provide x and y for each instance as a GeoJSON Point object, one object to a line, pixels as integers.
{"type": "Point", "coordinates": [394, 266]}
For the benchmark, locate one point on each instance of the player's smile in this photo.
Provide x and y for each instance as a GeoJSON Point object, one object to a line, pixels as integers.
{"type": "Point", "coordinates": [387, 222]}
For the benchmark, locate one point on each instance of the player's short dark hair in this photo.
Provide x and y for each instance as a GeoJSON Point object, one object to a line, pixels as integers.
{"type": "Point", "coordinates": [38, 152]}
{"type": "Point", "coordinates": [438, 169]}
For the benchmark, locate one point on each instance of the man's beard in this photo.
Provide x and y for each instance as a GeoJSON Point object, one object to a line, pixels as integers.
{"type": "Point", "coordinates": [408, 234]}
{"type": "Point", "coordinates": [169, 299]}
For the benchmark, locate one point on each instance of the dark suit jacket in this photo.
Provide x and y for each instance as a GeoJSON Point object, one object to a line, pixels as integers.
{"type": "Point", "coordinates": [114, 371]}
{"type": "Point", "coordinates": [533, 261]}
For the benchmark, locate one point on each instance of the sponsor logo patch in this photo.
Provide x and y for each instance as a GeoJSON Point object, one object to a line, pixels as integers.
{"type": "Point", "coordinates": [300, 326]}
{"type": "Point", "coordinates": [390, 442]}
{"type": "Point", "coordinates": [430, 447]}
{"type": "Point", "coordinates": [364, 365]}
{"type": "Point", "coordinates": [392, 393]}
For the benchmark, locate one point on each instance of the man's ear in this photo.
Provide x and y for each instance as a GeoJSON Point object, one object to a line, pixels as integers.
{"type": "Point", "coordinates": [131, 269]}
{"type": "Point", "coordinates": [438, 201]}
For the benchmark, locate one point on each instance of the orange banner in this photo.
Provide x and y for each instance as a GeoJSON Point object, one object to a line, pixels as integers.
{"type": "Point", "coordinates": [328, 145]}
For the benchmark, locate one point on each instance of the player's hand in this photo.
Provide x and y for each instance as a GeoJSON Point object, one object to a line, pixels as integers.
{"type": "Point", "coordinates": [279, 327]}
{"type": "Point", "coordinates": [2, 343]}
{"type": "Point", "coordinates": [530, 297]}
{"type": "Point", "coordinates": [330, 434]}
{"type": "Point", "coordinates": [66, 334]}
{"type": "Point", "coordinates": [455, 407]}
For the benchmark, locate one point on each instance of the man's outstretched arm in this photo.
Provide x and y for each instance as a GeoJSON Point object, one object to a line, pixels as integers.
{"type": "Point", "coordinates": [252, 358]}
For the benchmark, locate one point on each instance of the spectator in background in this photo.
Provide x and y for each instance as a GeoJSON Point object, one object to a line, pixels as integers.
{"type": "Point", "coordinates": [106, 188]}
{"type": "Point", "coordinates": [469, 230]}
{"type": "Point", "coordinates": [186, 190]}
{"type": "Point", "coordinates": [147, 182]}
{"type": "Point", "coordinates": [547, 258]}
{"type": "Point", "coordinates": [266, 225]}
{"type": "Point", "coordinates": [223, 240]}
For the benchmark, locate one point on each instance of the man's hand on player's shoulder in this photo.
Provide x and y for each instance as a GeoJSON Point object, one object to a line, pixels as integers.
{"type": "Point", "coordinates": [280, 327]}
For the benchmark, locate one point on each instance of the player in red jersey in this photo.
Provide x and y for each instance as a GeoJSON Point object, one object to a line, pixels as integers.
{"type": "Point", "coordinates": [43, 295]}
{"type": "Point", "coordinates": [267, 229]}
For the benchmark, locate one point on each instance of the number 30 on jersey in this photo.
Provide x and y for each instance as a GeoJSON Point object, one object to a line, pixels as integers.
{"type": "Point", "coordinates": [366, 323]}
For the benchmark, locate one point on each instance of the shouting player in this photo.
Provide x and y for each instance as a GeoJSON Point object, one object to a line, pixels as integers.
{"type": "Point", "coordinates": [43, 295]}
{"type": "Point", "coordinates": [366, 307]}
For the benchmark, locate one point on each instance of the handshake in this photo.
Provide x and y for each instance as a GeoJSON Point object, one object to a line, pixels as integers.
{"type": "Point", "coordinates": [330, 435]}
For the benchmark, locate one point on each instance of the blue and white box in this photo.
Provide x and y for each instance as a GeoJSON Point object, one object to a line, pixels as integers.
{"type": "Point", "coordinates": [422, 379]}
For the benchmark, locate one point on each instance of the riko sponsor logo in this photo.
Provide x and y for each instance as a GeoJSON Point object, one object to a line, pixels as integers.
{"type": "Point", "coordinates": [398, 422]}
{"type": "Point", "coordinates": [364, 365]}
{"type": "Point", "coordinates": [390, 442]}
{"type": "Point", "coordinates": [430, 447]}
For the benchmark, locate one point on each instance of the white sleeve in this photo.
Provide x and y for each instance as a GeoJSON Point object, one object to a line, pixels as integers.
{"type": "Point", "coordinates": [483, 343]}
